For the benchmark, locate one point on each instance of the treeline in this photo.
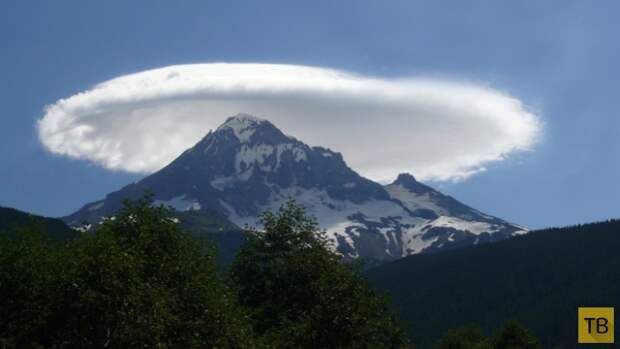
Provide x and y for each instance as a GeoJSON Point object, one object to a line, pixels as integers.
{"type": "Point", "coordinates": [142, 282]}
{"type": "Point", "coordinates": [510, 336]}
{"type": "Point", "coordinates": [12, 221]}
{"type": "Point", "coordinates": [539, 279]}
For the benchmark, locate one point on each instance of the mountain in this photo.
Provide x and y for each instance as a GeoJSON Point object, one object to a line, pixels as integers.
{"type": "Point", "coordinates": [247, 165]}
{"type": "Point", "coordinates": [539, 279]}
{"type": "Point", "coordinates": [12, 221]}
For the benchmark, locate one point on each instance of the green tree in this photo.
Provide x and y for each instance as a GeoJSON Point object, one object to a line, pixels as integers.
{"type": "Point", "coordinates": [467, 337]}
{"type": "Point", "coordinates": [510, 336]}
{"type": "Point", "coordinates": [302, 295]}
{"type": "Point", "coordinates": [142, 282]}
{"type": "Point", "coordinates": [29, 275]}
{"type": "Point", "coordinates": [138, 282]}
{"type": "Point", "coordinates": [514, 336]}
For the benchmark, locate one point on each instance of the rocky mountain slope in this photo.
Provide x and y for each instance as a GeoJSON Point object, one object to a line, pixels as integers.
{"type": "Point", "coordinates": [247, 165]}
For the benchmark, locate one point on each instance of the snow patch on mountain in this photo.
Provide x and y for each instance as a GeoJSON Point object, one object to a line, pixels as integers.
{"type": "Point", "coordinates": [414, 201]}
{"type": "Point", "coordinates": [96, 206]}
{"type": "Point", "coordinates": [346, 221]}
{"type": "Point", "coordinates": [242, 125]}
{"type": "Point", "coordinates": [299, 155]}
{"type": "Point", "coordinates": [259, 155]}
{"type": "Point", "coordinates": [180, 203]}
{"type": "Point", "coordinates": [222, 183]}
{"type": "Point", "coordinates": [460, 224]}
{"type": "Point", "coordinates": [387, 224]}
{"type": "Point", "coordinates": [254, 155]}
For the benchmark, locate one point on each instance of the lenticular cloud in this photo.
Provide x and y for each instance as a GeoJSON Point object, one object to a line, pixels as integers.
{"type": "Point", "coordinates": [437, 130]}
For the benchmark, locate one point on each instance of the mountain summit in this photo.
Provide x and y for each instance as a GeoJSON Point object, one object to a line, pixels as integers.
{"type": "Point", "coordinates": [247, 165]}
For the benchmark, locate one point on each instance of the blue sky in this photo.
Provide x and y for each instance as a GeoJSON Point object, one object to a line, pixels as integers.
{"type": "Point", "coordinates": [559, 58]}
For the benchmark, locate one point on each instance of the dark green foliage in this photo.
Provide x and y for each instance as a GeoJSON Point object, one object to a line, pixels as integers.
{"type": "Point", "coordinates": [301, 295]}
{"type": "Point", "coordinates": [227, 244]}
{"type": "Point", "coordinates": [29, 289]}
{"type": "Point", "coordinates": [12, 220]}
{"type": "Point", "coordinates": [138, 282]}
{"type": "Point", "coordinates": [538, 279]}
{"type": "Point", "coordinates": [211, 227]}
{"type": "Point", "coordinates": [466, 337]}
{"type": "Point", "coordinates": [205, 221]}
{"type": "Point", "coordinates": [510, 336]}
{"type": "Point", "coordinates": [514, 336]}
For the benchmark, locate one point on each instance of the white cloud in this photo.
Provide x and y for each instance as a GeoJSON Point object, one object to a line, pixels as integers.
{"type": "Point", "coordinates": [437, 130]}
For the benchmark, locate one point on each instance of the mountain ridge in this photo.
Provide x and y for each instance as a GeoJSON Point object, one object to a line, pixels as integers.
{"type": "Point", "coordinates": [247, 165]}
{"type": "Point", "coordinates": [12, 221]}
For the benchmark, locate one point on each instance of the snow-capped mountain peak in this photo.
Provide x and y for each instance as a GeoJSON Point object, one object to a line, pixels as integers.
{"type": "Point", "coordinates": [409, 182]}
{"type": "Point", "coordinates": [242, 125]}
{"type": "Point", "coordinates": [247, 165]}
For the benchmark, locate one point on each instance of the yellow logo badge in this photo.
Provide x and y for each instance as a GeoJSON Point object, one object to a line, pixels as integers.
{"type": "Point", "coordinates": [596, 325]}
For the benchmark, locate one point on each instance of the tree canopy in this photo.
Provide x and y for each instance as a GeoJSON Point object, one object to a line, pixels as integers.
{"type": "Point", "coordinates": [300, 294]}
{"type": "Point", "coordinates": [509, 336]}
{"type": "Point", "coordinates": [139, 281]}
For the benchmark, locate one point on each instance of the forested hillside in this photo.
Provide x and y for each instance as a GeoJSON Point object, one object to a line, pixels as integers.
{"type": "Point", "coordinates": [538, 279]}
{"type": "Point", "coordinates": [12, 220]}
